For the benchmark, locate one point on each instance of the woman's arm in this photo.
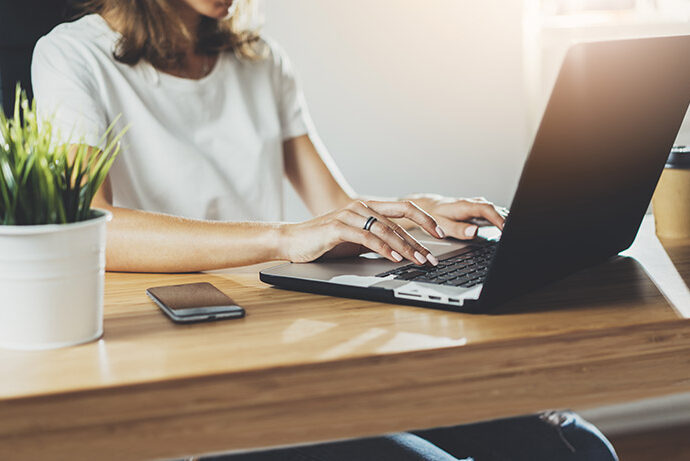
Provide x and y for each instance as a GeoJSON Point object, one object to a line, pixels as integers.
{"type": "Point", "coordinates": [140, 241]}
{"type": "Point", "coordinates": [315, 176]}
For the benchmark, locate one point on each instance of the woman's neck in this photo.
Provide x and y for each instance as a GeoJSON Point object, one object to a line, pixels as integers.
{"type": "Point", "coordinates": [190, 19]}
{"type": "Point", "coordinates": [196, 65]}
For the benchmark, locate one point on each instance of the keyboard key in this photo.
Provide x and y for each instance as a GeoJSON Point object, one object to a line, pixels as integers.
{"type": "Point", "coordinates": [410, 275]}
{"type": "Point", "coordinates": [465, 269]}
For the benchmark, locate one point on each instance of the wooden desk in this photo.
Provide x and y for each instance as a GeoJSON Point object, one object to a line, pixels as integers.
{"type": "Point", "coordinates": [303, 368]}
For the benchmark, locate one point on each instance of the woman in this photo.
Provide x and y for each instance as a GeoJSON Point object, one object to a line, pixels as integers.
{"type": "Point", "coordinates": [216, 119]}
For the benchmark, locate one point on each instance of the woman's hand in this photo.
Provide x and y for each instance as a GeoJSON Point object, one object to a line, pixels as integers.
{"type": "Point", "coordinates": [341, 233]}
{"type": "Point", "coordinates": [454, 215]}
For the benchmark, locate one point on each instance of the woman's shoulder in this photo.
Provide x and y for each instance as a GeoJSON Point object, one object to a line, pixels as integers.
{"type": "Point", "coordinates": [272, 56]}
{"type": "Point", "coordinates": [87, 36]}
{"type": "Point", "coordinates": [273, 52]}
{"type": "Point", "coordinates": [89, 28]}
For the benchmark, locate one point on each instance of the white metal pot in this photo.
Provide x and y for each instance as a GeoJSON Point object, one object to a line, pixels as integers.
{"type": "Point", "coordinates": [51, 283]}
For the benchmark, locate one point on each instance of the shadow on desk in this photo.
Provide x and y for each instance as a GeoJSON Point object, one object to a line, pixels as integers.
{"type": "Point", "coordinates": [619, 281]}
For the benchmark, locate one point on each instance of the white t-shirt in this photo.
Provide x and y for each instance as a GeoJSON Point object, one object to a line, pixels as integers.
{"type": "Point", "coordinates": [208, 148]}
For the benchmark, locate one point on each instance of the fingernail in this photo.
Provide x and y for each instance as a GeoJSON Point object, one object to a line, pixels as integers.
{"type": "Point", "coordinates": [432, 259]}
{"type": "Point", "coordinates": [396, 255]}
{"type": "Point", "coordinates": [418, 256]}
{"type": "Point", "coordinates": [470, 231]}
{"type": "Point", "coordinates": [440, 232]}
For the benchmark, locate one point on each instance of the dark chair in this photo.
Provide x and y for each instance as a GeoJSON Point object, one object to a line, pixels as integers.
{"type": "Point", "coordinates": [22, 23]}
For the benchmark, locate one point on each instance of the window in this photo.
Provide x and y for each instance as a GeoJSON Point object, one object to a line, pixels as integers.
{"type": "Point", "coordinates": [565, 7]}
{"type": "Point", "coordinates": [577, 13]}
{"type": "Point", "coordinates": [551, 26]}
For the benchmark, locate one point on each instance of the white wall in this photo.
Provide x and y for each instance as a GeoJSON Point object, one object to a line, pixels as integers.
{"type": "Point", "coordinates": [412, 96]}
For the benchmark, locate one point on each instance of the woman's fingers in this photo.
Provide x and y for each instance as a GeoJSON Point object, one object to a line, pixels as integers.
{"type": "Point", "coordinates": [421, 249]}
{"type": "Point", "coordinates": [409, 210]}
{"type": "Point", "coordinates": [458, 229]}
{"type": "Point", "coordinates": [386, 230]}
{"type": "Point", "coordinates": [342, 231]}
{"type": "Point", "coordinates": [488, 211]}
{"type": "Point", "coordinates": [421, 254]}
{"type": "Point", "coordinates": [346, 233]}
{"type": "Point", "coordinates": [463, 210]}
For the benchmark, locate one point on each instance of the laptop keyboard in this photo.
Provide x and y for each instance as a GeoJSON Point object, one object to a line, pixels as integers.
{"type": "Point", "coordinates": [466, 269]}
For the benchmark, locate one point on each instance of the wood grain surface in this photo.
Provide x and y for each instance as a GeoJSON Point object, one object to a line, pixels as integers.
{"type": "Point", "coordinates": [668, 443]}
{"type": "Point", "coordinates": [304, 368]}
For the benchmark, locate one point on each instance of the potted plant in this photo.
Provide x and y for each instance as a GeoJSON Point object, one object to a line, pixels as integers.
{"type": "Point", "coordinates": [52, 243]}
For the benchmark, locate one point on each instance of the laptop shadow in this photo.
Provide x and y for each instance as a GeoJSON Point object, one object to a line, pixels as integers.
{"type": "Point", "coordinates": [619, 281]}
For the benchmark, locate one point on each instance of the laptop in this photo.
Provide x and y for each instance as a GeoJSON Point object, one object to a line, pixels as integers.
{"type": "Point", "coordinates": [610, 123]}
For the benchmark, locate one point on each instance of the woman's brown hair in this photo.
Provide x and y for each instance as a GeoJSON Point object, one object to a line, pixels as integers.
{"type": "Point", "coordinates": [153, 30]}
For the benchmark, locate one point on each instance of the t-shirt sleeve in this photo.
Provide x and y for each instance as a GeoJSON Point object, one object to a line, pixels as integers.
{"type": "Point", "coordinates": [294, 116]}
{"type": "Point", "coordinates": [66, 93]}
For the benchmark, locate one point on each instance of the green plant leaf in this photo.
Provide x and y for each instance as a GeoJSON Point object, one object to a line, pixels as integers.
{"type": "Point", "coordinates": [42, 182]}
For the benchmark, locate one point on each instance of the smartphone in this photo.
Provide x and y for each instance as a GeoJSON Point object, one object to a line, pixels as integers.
{"type": "Point", "coordinates": [194, 302]}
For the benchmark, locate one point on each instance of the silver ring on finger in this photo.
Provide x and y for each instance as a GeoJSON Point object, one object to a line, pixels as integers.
{"type": "Point", "coordinates": [370, 222]}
